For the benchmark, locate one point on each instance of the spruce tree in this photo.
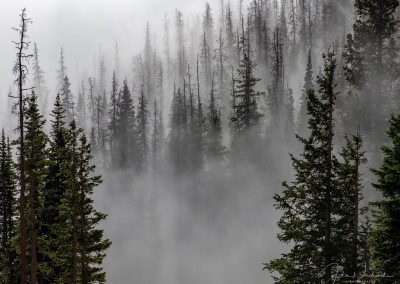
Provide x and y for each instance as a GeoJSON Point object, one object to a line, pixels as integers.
{"type": "Point", "coordinates": [311, 202]}
{"type": "Point", "coordinates": [385, 237]}
{"type": "Point", "coordinates": [126, 127]}
{"type": "Point", "coordinates": [245, 110]}
{"type": "Point", "coordinates": [308, 85]}
{"type": "Point", "coordinates": [53, 193]}
{"type": "Point", "coordinates": [142, 118]}
{"type": "Point", "coordinates": [351, 188]}
{"type": "Point", "coordinates": [36, 165]}
{"type": "Point", "coordinates": [67, 100]}
{"type": "Point", "coordinates": [8, 214]}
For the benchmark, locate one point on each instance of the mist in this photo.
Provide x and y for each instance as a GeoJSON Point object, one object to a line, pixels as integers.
{"type": "Point", "coordinates": [180, 218]}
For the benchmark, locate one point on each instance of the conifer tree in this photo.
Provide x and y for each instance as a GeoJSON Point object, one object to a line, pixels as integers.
{"type": "Point", "coordinates": [142, 118]}
{"type": "Point", "coordinates": [384, 237]}
{"type": "Point", "coordinates": [36, 165]}
{"type": "Point", "coordinates": [113, 117]}
{"type": "Point", "coordinates": [8, 214]}
{"type": "Point", "coordinates": [350, 185]}
{"type": "Point", "coordinates": [126, 127]}
{"type": "Point", "coordinates": [53, 193]}
{"type": "Point", "coordinates": [311, 202]}
{"type": "Point", "coordinates": [62, 71]}
{"type": "Point", "coordinates": [67, 100]}
{"type": "Point", "coordinates": [21, 71]}
{"type": "Point", "coordinates": [39, 82]}
{"type": "Point", "coordinates": [157, 137]}
{"type": "Point", "coordinates": [308, 85]}
{"type": "Point", "coordinates": [81, 246]}
{"type": "Point", "coordinates": [215, 150]}
{"type": "Point", "coordinates": [245, 109]}
{"type": "Point", "coordinates": [81, 106]}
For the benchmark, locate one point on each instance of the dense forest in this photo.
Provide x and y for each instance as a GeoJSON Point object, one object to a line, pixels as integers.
{"type": "Point", "coordinates": [167, 166]}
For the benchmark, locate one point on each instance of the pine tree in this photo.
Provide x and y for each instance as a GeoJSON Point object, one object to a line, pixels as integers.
{"type": "Point", "coordinates": [67, 100]}
{"type": "Point", "coordinates": [311, 202]}
{"type": "Point", "coordinates": [157, 137]}
{"type": "Point", "coordinates": [62, 71]}
{"type": "Point", "coordinates": [350, 185]}
{"type": "Point", "coordinates": [308, 85]}
{"type": "Point", "coordinates": [371, 66]}
{"type": "Point", "coordinates": [215, 150]}
{"type": "Point", "coordinates": [126, 127]}
{"type": "Point", "coordinates": [113, 117]}
{"type": "Point", "coordinates": [8, 214]}
{"type": "Point", "coordinates": [81, 106]}
{"type": "Point", "coordinates": [39, 82]}
{"type": "Point", "coordinates": [36, 164]}
{"type": "Point", "coordinates": [384, 237]}
{"type": "Point", "coordinates": [53, 193]}
{"type": "Point", "coordinates": [246, 113]}
{"type": "Point", "coordinates": [142, 118]}
{"type": "Point", "coordinates": [81, 246]}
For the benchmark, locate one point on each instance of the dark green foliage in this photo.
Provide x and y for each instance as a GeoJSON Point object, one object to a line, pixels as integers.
{"type": "Point", "coordinates": [36, 168]}
{"type": "Point", "coordinates": [308, 85]}
{"type": "Point", "coordinates": [311, 202]}
{"type": "Point", "coordinates": [53, 192]}
{"type": "Point", "coordinates": [350, 185]}
{"type": "Point", "coordinates": [8, 214]}
{"type": "Point", "coordinates": [385, 237]}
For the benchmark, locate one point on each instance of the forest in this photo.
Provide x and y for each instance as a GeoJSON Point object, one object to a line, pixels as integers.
{"type": "Point", "coordinates": [249, 140]}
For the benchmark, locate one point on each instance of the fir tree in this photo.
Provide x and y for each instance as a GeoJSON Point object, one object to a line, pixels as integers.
{"type": "Point", "coordinates": [142, 118]}
{"type": "Point", "coordinates": [310, 203]}
{"type": "Point", "coordinates": [8, 214]}
{"type": "Point", "coordinates": [36, 165]}
{"type": "Point", "coordinates": [245, 109]}
{"type": "Point", "coordinates": [308, 85]}
{"type": "Point", "coordinates": [384, 237]}
{"type": "Point", "coordinates": [53, 193]}
{"type": "Point", "coordinates": [126, 127]}
{"type": "Point", "coordinates": [67, 100]}
{"type": "Point", "coordinates": [39, 82]}
{"type": "Point", "coordinates": [350, 185]}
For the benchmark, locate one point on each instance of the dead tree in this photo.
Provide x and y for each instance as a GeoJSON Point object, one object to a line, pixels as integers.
{"type": "Point", "coordinates": [21, 71]}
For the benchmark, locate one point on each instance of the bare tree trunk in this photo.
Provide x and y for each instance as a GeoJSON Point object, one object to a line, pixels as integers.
{"type": "Point", "coordinates": [21, 71]}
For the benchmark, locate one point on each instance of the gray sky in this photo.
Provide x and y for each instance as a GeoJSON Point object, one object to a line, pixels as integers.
{"type": "Point", "coordinates": [81, 27]}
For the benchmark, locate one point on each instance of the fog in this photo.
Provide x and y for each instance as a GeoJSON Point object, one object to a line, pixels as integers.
{"type": "Point", "coordinates": [160, 233]}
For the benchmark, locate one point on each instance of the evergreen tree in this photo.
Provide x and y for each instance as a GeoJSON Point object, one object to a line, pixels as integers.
{"type": "Point", "coordinates": [81, 246]}
{"type": "Point", "coordinates": [8, 214]}
{"type": "Point", "coordinates": [308, 85]}
{"type": "Point", "coordinates": [350, 185]}
{"type": "Point", "coordinates": [311, 202]}
{"type": "Point", "coordinates": [245, 109]}
{"type": "Point", "coordinates": [53, 193]}
{"type": "Point", "coordinates": [126, 127]}
{"type": "Point", "coordinates": [374, 32]}
{"type": "Point", "coordinates": [215, 150]}
{"type": "Point", "coordinates": [142, 118]}
{"type": "Point", "coordinates": [39, 82]}
{"type": "Point", "coordinates": [36, 165]}
{"type": "Point", "coordinates": [157, 137]}
{"type": "Point", "coordinates": [113, 117]}
{"type": "Point", "coordinates": [384, 237]}
{"type": "Point", "coordinates": [67, 100]}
